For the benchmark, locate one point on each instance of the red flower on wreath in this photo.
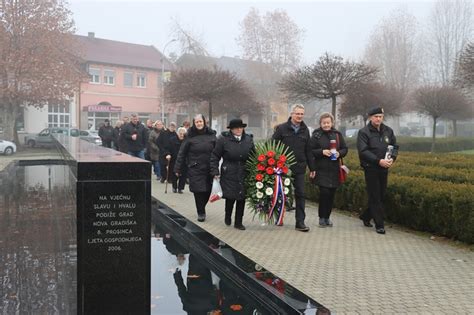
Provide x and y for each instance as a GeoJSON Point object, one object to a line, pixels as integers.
{"type": "Point", "coordinates": [284, 169]}
{"type": "Point", "coordinates": [259, 177]}
{"type": "Point", "coordinates": [271, 161]}
{"type": "Point", "coordinates": [270, 170]}
{"type": "Point", "coordinates": [270, 154]}
{"type": "Point", "coordinates": [280, 164]}
{"type": "Point", "coordinates": [261, 158]}
{"type": "Point", "coordinates": [282, 158]}
{"type": "Point", "coordinates": [260, 167]}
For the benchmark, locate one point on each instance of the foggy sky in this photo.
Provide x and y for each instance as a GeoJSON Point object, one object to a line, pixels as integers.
{"type": "Point", "coordinates": [340, 27]}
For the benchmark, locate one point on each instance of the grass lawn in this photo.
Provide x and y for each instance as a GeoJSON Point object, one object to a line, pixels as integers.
{"type": "Point", "coordinates": [465, 152]}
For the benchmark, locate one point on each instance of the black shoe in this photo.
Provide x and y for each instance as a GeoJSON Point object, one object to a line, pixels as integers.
{"type": "Point", "coordinates": [239, 227]}
{"type": "Point", "coordinates": [380, 230]}
{"type": "Point", "coordinates": [322, 223]}
{"type": "Point", "coordinates": [291, 209]}
{"type": "Point", "coordinates": [158, 178]}
{"type": "Point", "coordinates": [201, 217]}
{"type": "Point", "coordinates": [301, 227]}
{"type": "Point", "coordinates": [175, 191]}
{"type": "Point", "coordinates": [366, 222]}
{"type": "Point", "coordinates": [180, 191]}
{"type": "Point", "coordinates": [328, 222]}
{"type": "Point", "coordinates": [227, 221]}
{"type": "Point", "coordinates": [162, 180]}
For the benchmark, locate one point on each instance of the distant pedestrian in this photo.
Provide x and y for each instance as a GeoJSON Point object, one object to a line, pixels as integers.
{"type": "Point", "coordinates": [195, 152]}
{"type": "Point", "coordinates": [327, 164]}
{"type": "Point", "coordinates": [172, 150]}
{"type": "Point", "coordinates": [295, 134]}
{"type": "Point", "coordinates": [234, 147]}
{"type": "Point", "coordinates": [154, 151]}
{"type": "Point", "coordinates": [372, 144]}
{"type": "Point", "coordinates": [106, 134]}
{"type": "Point", "coordinates": [136, 137]}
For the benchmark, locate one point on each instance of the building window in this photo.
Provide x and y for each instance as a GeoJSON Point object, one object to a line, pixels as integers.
{"type": "Point", "coordinates": [141, 80]}
{"type": "Point", "coordinates": [58, 115]}
{"type": "Point", "coordinates": [97, 119]}
{"type": "Point", "coordinates": [128, 79]}
{"type": "Point", "coordinates": [109, 77]}
{"type": "Point", "coordinates": [143, 117]}
{"type": "Point", "coordinates": [94, 74]}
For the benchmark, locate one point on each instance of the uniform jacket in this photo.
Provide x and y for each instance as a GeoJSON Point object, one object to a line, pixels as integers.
{"type": "Point", "coordinates": [234, 154]}
{"type": "Point", "coordinates": [327, 170]}
{"type": "Point", "coordinates": [195, 153]}
{"type": "Point", "coordinates": [372, 145]}
{"type": "Point", "coordinates": [142, 136]}
{"type": "Point", "coordinates": [298, 143]}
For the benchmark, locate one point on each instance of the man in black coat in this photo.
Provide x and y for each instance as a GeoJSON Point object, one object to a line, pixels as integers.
{"type": "Point", "coordinates": [136, 137]}
{"type": "Point", "coordinates": [106, 134]}
{"type": "Point", "coordinates": [372, 143]}
{"type": "Point", "coordinates": [295, 134]}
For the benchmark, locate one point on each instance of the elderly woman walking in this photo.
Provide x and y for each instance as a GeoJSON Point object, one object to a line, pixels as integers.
{"type": "Point", "coordinates": [234, 147]}
{"type": "Point", "coordinates": [195, 153]}
{"type": "Point", "coordinates": [327, 147]}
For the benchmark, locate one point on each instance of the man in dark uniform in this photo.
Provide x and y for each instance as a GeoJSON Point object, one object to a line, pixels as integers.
{"type": "Point", "coordinates": [372, 143]}
{"type": "Point", "coordinates": [295, 134]}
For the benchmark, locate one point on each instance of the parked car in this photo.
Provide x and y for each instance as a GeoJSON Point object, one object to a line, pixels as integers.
{"type": "Point", "coordinates": [352, 133]}
{"type": "Point", "coordinates": [90, 136]}
{"type": "Point", "coordinates": [7, 147]}
{"type": "Point", "coordinates": [44, 137]}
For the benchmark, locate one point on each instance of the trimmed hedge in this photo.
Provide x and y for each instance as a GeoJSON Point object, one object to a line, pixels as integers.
{"type": "Point", "coordinates": [418, 144]}
{"type": "Point", "coordinates": [420, 194]}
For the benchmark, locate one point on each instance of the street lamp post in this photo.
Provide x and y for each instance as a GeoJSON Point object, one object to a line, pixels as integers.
{"type": "Point", "coordinates": [163, 80]}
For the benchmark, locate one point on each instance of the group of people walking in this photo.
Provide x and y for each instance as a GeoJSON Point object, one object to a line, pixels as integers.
{"type": "Point", "coordinates": [201, 156]}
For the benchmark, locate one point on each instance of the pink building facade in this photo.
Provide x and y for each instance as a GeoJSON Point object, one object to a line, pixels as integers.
{"type": "Point", "coordinates": [124, 78]}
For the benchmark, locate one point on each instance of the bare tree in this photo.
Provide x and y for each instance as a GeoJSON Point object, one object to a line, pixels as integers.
{"type": "Point", "coordinates": [190, 42]}
{"type": "Point", "coordinates": [39, 62]}
{"type": "Point", "coordinates": [440, 102]}
{"type": "Point", "coordinates": [451, 27]}
{"type": "Point", "coordinates": [393, 48]}
{"type": "Point", "coordinates": [272, 38]}
{"type": "Point", "coordinates": [361, 97]}
{"type": "Point", "coordinates": [218, 87]}
{"type": "Point", "coordinates": [466, 66]}
{"type": "Point", "coordinates": [328, 78]}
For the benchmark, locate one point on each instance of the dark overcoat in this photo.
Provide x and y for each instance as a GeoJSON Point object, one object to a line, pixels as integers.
{"type": "Point", "coordinates": [195, 153]}
{"type": "Point", "coordinates": [298, 142]}
{"type": "Point", "coordinates": [234, 155]}
{"type": "Point", "coordinates": [327, 170]}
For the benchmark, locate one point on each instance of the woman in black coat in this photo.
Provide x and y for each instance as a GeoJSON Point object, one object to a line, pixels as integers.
{"type": "Point", "coordinates": [171, 152]}
{"type": "Point", "coordinates": [327, 169]}
{"type": "Point", "coordinates": [195, 153]}
{"type": "Point", "coordinates": [234, 148]}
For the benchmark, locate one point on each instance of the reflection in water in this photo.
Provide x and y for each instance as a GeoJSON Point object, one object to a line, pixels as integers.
{"type": "Point", "coordinates": [37, 241]}
{"type": "Point", "coordinates": [199, 290]}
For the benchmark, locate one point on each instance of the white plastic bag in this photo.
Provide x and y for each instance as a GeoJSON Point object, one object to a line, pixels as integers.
{"type": "Point", "coordinates": [216, 191]}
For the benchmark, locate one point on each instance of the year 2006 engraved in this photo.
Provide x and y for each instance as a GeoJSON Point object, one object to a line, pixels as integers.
{"type": "Point", "coordinates": [114, 248]}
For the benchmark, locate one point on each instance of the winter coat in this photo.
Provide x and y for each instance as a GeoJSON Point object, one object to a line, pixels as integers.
{"type": "Point", "coordinates": [327, 170]}
{"type": "Point", "coordinates": [106, 133]}
{"type": "Point", "coordinates": [195, 153]}
{"type": "Point", "coordinates": [163, 142]}
{"type": "Point", "coordinates": [154, 151]}
{"type": "Point", "coordinates": [298, 143]}
{"type": "Point", "coordinates": [142, 136]}
{"type": "Point", "coordinates": [173, 146]}
{"type": "Point", "coordinates": [119, 139]}
{"type": "Point", "coordinates": [234, 154]}
{"type": "Point", "coordinates": [372, 145]}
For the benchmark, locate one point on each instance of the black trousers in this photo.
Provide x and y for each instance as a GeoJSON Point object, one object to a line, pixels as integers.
{"type": "Point", "coordinates": [239, 210]}
{"type": "Point", "coordinates": [298, 183]}
{"type": "Point", "coordinates": [201, 199]}
{"type": "Point", "coordinates": [326, 200]}
{"type": "Point", "coordinates": [107, 143]}
{"type": "Point", "coordinates": [376, 185]}
{"type": "Point", "coordinates": [163, 166]}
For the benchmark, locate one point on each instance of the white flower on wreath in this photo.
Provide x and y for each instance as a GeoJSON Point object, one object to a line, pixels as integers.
{"type": "Point", "coordinates": [259, 194]}
{"type": "Point", "coordinates": [259, 185]}
{"type": "Point", "coordinates": [286, 190]}
{"type": "Point", "coordinates": [287, 182]}
{"type": "Point", "coordinates": [269, 191]}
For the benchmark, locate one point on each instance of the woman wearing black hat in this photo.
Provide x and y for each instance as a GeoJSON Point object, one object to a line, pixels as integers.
{"type": "Point", "coordinates": [196, 153]}
{"type": "Point", "coordinates": [234, 147]}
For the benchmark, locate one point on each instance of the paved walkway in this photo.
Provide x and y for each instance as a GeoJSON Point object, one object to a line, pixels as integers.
{"type": "Point", "coordinates": [349, 268]}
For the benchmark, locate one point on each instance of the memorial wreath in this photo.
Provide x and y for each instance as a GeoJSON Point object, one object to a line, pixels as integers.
{"type": "Point", "coordinates": [269, 183]}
